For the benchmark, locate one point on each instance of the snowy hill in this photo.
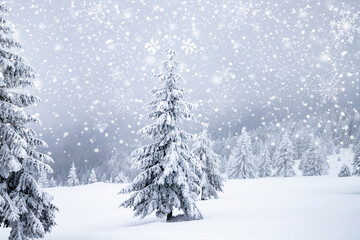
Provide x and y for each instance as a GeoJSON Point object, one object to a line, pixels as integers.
{"type": "Point", "coordinates": [274, 208]}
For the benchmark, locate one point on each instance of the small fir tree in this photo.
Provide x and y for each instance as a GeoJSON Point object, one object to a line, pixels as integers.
{"type": "Point", "coordinates": [314, 161]}
{"type": "Point", "coordinates": [92, 178]}
{"type": "Point", "coordinates": [265, 164]}
{"type": "Point", "coordinates": [241, 162]}
{"type": "Point", "coordinates": [211, 180]}
{"type": "Point", "coordinates": [43, 180]}
{"type": "Point", "coordinates": [328, 139]}
{"type": "Point", "coordinates": [356, 161]}
{"type": "Point", "coordinates": [284, 158]}
{"type": "Point", "coordinates": [72, 178]}
{"type": "Point", "coordinates": [24, 208]}
{"type": "Point", "coordinates": [121, 178]}
{"type": "Point", "coordinates": [52, 182]}
{"type": "Point", "coordinates": [345, 171]}
{"type": "Point", "coordinates": [168, 177]}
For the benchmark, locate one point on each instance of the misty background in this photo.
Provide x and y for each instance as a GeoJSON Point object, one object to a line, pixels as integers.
{"type": "Point", "coordinates": [246, 63]}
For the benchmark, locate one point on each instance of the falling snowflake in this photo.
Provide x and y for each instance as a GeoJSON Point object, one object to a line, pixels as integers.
{"type": "Point", "coordinates": [346, 27]}
{"type": "Point", "coordinates": [116, 74]}
{"type": "Point", "coordinates": [188, 46]}
{"type": "Point", "coordinates": [124, 101]}
{"type": "Point", "coordinates": [219, 101]}
{"type": "Point", "coordinates": [328, 89]}
{"type": "Point", "coordinates": [224, 75]}
{"type": "Point", "coordinates": [97, 12]}
{"type": "Point", "coordinates": [152, 46]}
{"type": "Point", "coordinates": [101, 121]}
{"type": "Point", "coordinates": [234, 14]}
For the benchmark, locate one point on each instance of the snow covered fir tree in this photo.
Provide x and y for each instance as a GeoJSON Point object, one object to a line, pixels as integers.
{"type": "Point", "coordinates": [356, 161]}
{"type": "Point", "coordinates": [168, 178]}
{"type": "Point", "coordinates": [284, 158]}
{"type": "Point", "coordinates": [314, 161]}
{"type": "Point", "coordinates": [252, 122]}
{"type": "Point", "coordinates": [121, 178]}
{"type": "Point", "coordinates": [24, 208]}
{"type": "Point", "coordinates": [345, 171]}
{"type": "Point", "coordinates": [72, 178]}
{"type": "Point", "coordinates": [210, 177]}
{"type": "Point", "coordinates": [43, 180]}
{"type": "Point", "coordinates": [92, 178]}
{"type": "Point", "coordinates": [241, 161]}
{"type": "Point", "coordinates": [265, 164]}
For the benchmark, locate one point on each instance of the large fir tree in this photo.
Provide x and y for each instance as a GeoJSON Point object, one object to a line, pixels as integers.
{"type": "Point", "coordinates": [284, 158]}
{"type": "Point", "coordinates": [211, 180]}
{"type": "Point", "coordinates": [24, 207]}
{"type": "Point", "coordinates": [168, 177]}
{"type": "Point", "coordinates": [241, 162]}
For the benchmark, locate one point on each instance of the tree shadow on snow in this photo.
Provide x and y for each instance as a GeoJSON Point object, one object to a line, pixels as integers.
{"type": "Point", "coordinates": [181, 218]}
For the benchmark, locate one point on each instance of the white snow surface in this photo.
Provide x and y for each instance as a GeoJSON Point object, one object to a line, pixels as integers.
{"type": "Point", "coordinates": [302, 208]}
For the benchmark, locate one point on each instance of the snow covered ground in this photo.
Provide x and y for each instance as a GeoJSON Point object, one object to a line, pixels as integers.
{"type": "Point", "coordinates": [300, 208]}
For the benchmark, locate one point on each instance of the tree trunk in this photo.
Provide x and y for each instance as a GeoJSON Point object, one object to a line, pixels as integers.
{"type": "Point", "coordinates": [169, 216]}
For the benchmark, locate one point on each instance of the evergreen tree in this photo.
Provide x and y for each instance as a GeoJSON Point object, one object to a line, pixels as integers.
{"type": "Point", "coordinates": [24, 208]}
{"type": "Point", "coordinates": [356, 161]}
{"type": "Point", "coordinates": [72, 178]}
{"type": "Point", "coordinates": [314, 161]}
{"type": "Point", "coordinates": [241, 162]}
{"type": "Point", "coordinates": [43, 180]}
{"type": "Point", "coordinates": [265, 164]}
{"type": "Point", "coordinates": [211, 180]}
{"type": "Point", "coordinates": [92, 178]}
{"type": "Point", "coordinates": [52, 182]}
{"type": "Point", "coordinates": [121, 178]}
{"type": "Point", "coordinates": [168, 177]}
{"type": "Point", "coordinates": [284, 158]}
{"type": "Point", "coordinates": [345, 171]}
{"type": "Point", "coordinates": [328, 139]}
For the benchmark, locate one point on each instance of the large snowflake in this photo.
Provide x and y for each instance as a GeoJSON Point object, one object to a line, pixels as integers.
{"type": "Point", "coordinates": [219, 101]}
{"type": "Point", "coordinates": [152, 46]}
{"type": "Point", "coordinates": [345, 29]}
{"type": "Point", "coordinates": [188, 46]}
{"type": "Point", "coordinates": [328, 89]}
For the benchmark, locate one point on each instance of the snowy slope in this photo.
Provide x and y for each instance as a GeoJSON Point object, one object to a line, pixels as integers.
{"type": "Point", "coordinates": [297, 208]}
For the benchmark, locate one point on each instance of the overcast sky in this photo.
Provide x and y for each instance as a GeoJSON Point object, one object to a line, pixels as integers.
{"type": "Point", "coordinates": [245, 62]}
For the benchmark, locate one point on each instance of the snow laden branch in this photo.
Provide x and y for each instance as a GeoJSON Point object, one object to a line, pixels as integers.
{"type": "Point", "coordinates": [24, 207]}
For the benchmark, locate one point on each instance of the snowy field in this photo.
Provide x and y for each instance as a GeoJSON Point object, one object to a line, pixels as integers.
{"type": "Point", "coordinates": [274, 208]}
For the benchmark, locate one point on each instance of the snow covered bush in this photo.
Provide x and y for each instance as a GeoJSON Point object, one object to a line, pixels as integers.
{"type": "Point", "coordinates": [211, 180]}
{"type": "Point", "coordinates": [168, 176]}
{"type": "Point", "coordinates": [24, 207]}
